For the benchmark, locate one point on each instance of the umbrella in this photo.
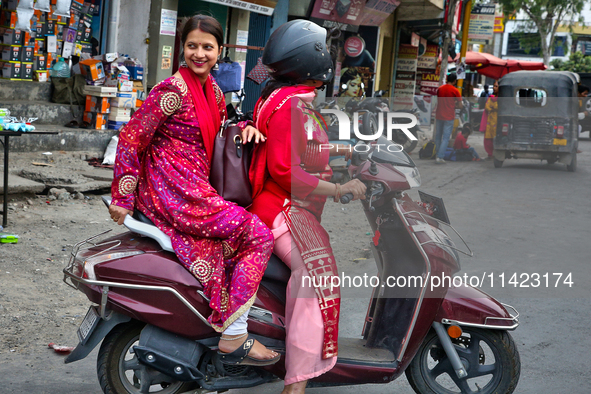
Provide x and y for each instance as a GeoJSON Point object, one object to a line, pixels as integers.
{"type": "Point", "coordinates": [494, 67]}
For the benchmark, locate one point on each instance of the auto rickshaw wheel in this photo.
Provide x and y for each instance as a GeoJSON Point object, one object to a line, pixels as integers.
{"type": "Point", "coordinates": [497, 163]}
{"type": "Point", "coordinates": [572, 167]}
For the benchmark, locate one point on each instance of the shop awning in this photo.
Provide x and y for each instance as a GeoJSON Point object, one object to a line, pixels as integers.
{"type": "Point", "coordinates": [264, 7]}
{"type": "Point", "coordinates": [415, 10]}
{"type": "Point", "coordinates": [494, 67]}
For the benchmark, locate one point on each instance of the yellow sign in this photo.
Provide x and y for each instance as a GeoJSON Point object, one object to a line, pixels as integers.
{"type": "Point", "coordinates": [499, 26]}
{"type": "Point", "coordinates": [559, 142]}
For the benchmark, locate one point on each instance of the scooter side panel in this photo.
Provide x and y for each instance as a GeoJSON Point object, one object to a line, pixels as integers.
{"type": "Point", "coordinates": [469, 305]}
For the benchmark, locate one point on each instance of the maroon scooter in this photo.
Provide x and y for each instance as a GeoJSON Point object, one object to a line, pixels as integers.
{"type": "Point", "coordinates": [151, 313]}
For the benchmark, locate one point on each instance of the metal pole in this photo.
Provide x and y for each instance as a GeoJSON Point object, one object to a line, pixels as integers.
{"type": "Point", "coordinates": [447, 40]}
{"type": "Point", "coordinates": [465, 27]}
{"type": "Point", "coordinates": [5, 203]}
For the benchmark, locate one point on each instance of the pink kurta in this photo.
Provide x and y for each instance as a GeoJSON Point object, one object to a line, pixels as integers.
{"type": "Point", "coordinates": [162, 169]}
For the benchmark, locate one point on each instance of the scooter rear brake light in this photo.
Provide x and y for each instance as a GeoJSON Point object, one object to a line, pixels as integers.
{"type": "Point", "coordinates": [91, 262]}
{"type": "Point", "coordinates": [505, 129]}
{"type": "Point", "coordinates": [560, 132]}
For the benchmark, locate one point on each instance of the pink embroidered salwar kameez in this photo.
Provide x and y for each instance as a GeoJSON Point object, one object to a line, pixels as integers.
{"type": "Point", "coordinates": [284, 174]}
{"type": "Point", "coordinates": [162, 169]}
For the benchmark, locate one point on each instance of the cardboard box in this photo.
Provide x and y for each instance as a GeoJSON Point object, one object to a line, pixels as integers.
{"type": "Point", "coordinates": [87, 34]}
{"type": "Point", "coordinates": [77, 5]}
{"type": "Point", "coordinates": [92, 69]}
{"type": "Point", "coordinates": [28, 54]}
{"type": "Point", "coordinates": [67, 49]}
{"type": "Point", "coordinates": [29, 38]}
{"type": "Point", "coordinates": [12, 37]}
{"type": "Point", "coordinates": [97, 104]}
{"type": "Point", "coordinates": [11, 70]}
{"type": "Point", "coordinates": [138, 86]}
{"type": "Point", "coordinates": [74, 20]}
{"type": "Point", "coordinates": [11, 54]}
{"type": "Point", "coordinates": [50, 28]}
{"type": "Point", "coordinates": [40, 63]}
{"type": "Point", "coordinates": [125, 86]}
{"type": "Point", "coordinates": [86, 48]}
{"type": "Point", "coordinates": [124, 100]}
{"type": "Point", "coordinates": [112, 125]}
{"type": "Point", "coordinates": [41, 76]}
{"type": "Point", "coordinates": [51, 44]}
{"type": "Point", "coordinates": [136, 73]}
{"type": "Point", "coordinates": [39, 29]}
{"type": "Point", "coordinates": [8, 18]}
{"type": "Point", "coordinates": [100, 91]}
{"type": "Point", "coordinates": [27, 72]}
{"type": "Point", "coordinates": [115, 118]}
{"type": "Point", "coordinates": [97, 121]}
{"type": "Point", "coordinates": [118, 111]}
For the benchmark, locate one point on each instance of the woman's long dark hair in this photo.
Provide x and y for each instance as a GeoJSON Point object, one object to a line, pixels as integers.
{"type": "Point", "coordinates": [272, 85]}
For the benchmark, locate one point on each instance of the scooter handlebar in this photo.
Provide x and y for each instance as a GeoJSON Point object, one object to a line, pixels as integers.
{"type": "Point", "coordinates": [346, 198]}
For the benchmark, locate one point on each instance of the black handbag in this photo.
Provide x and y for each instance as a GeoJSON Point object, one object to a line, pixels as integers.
{"type": "Point", "coordinates": [230, 165]}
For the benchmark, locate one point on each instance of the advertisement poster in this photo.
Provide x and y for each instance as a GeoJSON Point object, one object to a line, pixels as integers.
{"type": "Point", "coordinates": [429, 83]}
{"type": "Point", "coordinates": [428, 61]}
{"type": "Point", "coordinates": [406, 72]}
{"type": "Point", "coordinates": [355, 12]}
{"type": "Point", "coordinates": [482, 21]}
{"type": "Point", "coordinates": [168, 22]}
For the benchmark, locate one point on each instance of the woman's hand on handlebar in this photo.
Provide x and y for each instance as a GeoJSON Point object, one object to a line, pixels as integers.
{"type": "Point", "coordinates": [250, 132]}
{"type": "Point", "coordinates": [356, 188]}
{"type": "Point", "coordinates": [118, 213]}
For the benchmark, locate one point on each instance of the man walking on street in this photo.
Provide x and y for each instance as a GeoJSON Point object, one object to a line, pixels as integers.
{"type": "Point", "coordinates": [448, 98]}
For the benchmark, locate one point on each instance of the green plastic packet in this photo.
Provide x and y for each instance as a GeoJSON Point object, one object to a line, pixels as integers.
{"type": "Point", "coordinates": [7, 238]}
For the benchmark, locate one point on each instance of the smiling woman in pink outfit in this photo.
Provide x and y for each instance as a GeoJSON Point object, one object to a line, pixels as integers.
{"type": "Point", "coordinates": [162, 169]}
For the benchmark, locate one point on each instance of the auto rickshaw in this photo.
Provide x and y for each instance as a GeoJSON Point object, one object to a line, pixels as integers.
{"type": "Point", "coordinates": [538, 117]}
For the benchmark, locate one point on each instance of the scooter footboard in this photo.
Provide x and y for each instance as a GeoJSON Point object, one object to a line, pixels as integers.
{"type": "Point", "coordinates": [469, 307]}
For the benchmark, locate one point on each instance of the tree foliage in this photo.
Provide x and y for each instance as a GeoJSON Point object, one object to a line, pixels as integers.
{"type": "Point", "coordinates": [545, 16]}
{"type": "Point", "coordinates": [577, 62]}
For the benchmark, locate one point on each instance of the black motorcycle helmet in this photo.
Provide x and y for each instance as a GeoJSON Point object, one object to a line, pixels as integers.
{"type": "Point", "coordinates": [297, 51]}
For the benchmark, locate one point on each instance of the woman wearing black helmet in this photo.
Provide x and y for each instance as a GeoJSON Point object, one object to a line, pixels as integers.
{"type": "Point", "coordinates": [290, 178]}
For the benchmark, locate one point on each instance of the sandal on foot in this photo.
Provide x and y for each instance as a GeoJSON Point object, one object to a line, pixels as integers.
{"type": "Point", "coordinates": [240, 356]}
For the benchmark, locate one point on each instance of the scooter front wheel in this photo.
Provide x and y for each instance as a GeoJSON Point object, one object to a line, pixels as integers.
{"type": "Point", "coordinates": [120, 372]}
{"type": "Point", "coordinates": [490, 358]}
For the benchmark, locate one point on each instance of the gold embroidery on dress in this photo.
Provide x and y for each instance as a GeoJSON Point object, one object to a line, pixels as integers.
{"type": "Point", "coordinates": [170, 102]}
{"type": "Point", "coordinates": [202, 271]}
{"type": "Point", "coordinates": [227, 250]}
{"type": "Point", "coordinates": [224, 299]}
{"type": "Point", "coordinates": [127, 185]}
{"type": "Point", "coordinates": [180, 83]}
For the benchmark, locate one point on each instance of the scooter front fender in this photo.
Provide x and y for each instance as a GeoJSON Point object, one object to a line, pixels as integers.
{"type": "Point", "coordinates": [469, 307]}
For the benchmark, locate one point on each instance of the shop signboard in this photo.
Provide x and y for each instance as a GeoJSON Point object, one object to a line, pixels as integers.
{"type": "Point", "coordinates": [406, 72]}
{"type": "Point", "coordinates": [264, 7]}
{"type": "Point", "coordinates": [354, 46]}
{"type": "Point", "coordinates": [499, 26]}
{"type": "Point", "coordinates": [428, 60]}
{"type": "Point", "coordinates": [482, 21]}
{"type": "Point", "coordinates": [429, 83]}
{"type": "Point", "coordinates": [335, 25]}
{"type": "Point", "coordinates": [355, 12]}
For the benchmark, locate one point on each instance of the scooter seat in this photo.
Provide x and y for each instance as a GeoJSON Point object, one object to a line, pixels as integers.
{"type": "Point", "coordinates": [139, 223]}
{"type": "Point", "coordinates": [277, 270]}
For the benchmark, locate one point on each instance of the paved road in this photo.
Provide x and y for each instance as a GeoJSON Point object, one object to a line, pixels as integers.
{"type": "Point", "coordinates": [527, 217]}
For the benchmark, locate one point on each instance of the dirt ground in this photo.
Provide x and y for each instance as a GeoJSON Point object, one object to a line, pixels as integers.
{"type": "Point", "coordinates": [36, 306]}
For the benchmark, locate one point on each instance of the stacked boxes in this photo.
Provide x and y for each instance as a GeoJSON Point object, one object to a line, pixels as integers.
{"type": "Point", "coordinates": [97, 111]}
{"type": "Point", "coordinates": [52, 36]}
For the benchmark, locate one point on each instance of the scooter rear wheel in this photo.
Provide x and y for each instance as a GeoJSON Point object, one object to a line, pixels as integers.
{"type": "Point", "coordinates": [490, 357]}
{"type": "Point", "coordinates": [120, 372]}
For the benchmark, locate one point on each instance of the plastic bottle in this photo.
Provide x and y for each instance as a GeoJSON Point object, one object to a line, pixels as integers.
{"type": "Point", "coordinates": [60, 69]}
